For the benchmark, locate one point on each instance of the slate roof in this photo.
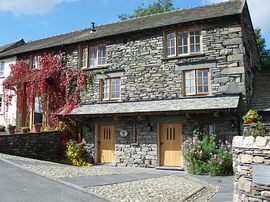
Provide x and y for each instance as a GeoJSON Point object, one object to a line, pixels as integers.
{"type": "Point", "coordinates": [149, 22]}
{"type": "Point", "coordinates": [261, 92]}
{"type": "Point", "coordinates": [11, 45]}
{"type": "Point", "coordinates": [185, 104]}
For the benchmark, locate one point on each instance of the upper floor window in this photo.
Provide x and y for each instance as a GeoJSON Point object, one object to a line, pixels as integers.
{"type": "Point", "coordinates": [2, 69]}
{"type": "Point", "coordinates": [111, 89]}
{"type": "Point", "coordinates": [183, 42]}
{"type": "Point", "coordinates": [92, 56]}
{"type": "Point", "coordinates": [196, 82]}
{"type": "Point", "coordinates": [36, 62]}
{"type": "Point", "coordinates": [1, 103]}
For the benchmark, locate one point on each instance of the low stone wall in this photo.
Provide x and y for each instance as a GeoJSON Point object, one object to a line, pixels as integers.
{"type": "Point", "coordinates": [43, 146]}
{"type": "Point", "coordinates": [251, 162]}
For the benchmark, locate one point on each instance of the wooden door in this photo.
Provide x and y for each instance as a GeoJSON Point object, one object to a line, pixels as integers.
{"type": "Point", "coordinates": [106, 147]}
{"type": "Point", "coordinates": [170, 144]}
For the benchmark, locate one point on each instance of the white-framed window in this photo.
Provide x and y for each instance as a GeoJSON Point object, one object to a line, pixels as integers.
{"type": "Point", "coordinates": [93, 55]}
{"type": "Point", "coordinates": [2, 69]}
{"type": "Point", "coordinates": [111, 89]}
{"type": "Point", "coordinates": [36, 62]}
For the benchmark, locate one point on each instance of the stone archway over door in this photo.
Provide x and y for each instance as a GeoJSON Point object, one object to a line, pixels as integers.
{"type": "Point", "coordinates": [106, 143]}
{"type": "Point", "coordinates": [170, 140]}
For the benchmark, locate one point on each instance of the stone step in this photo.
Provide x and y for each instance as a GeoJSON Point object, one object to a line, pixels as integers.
{"type": "Point", "coordinates": [170, 168]}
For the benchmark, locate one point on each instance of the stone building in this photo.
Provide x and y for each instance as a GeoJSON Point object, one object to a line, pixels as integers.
{"type": "Point", "coordinates": [158, 78]}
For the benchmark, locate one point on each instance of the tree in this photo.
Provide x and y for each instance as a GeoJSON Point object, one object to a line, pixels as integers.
{"type": "Point", "coordinates": [159, 6]}
{"type": "Point", "coordinates": [264, 53]}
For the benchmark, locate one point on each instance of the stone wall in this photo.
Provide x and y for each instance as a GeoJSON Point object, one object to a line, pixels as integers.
{"type": "Point", "coordinates": [251, 158]}
{"type": "Point", "coordinates": [147, 75]}
{"type": "Point", "coordinates": [43, 146]}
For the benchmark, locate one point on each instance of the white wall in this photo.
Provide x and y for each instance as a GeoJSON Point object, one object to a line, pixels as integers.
{"type": "Point", "coordinates": [7, 115]}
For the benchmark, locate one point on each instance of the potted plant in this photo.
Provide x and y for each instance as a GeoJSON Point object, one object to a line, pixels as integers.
{"type": "Point", "coordinates": [251, 116]}
{"type": "Point", "coordinates": [25, 129]}
{"type": "Point", "coordinates": [11, 129]}
{"type": "Point", "coordinates": [37, 127]}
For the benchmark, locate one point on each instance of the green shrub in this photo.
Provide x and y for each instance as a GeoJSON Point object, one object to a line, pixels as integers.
{"type": "Point", "coordinates": [206, 156]}
{"type": "Point", "coordinates": [255, 129]}
{"type": "Point", "coordinates": [74, 153]}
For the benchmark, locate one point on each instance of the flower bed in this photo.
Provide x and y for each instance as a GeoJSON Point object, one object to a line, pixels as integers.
{"type": "Point", "coordinates": [207, 156]}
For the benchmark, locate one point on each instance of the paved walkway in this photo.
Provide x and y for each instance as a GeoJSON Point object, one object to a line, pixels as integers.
{"type": "Point", "coordinates": [17, 185]}
{"type": "Point", "coordinates": [88, 178]}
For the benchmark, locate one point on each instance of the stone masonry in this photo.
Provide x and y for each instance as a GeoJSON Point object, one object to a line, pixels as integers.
{"type": "Point", "coordinates": [43, 146]}
{"type": "Point", "coordinates": [248, 152]}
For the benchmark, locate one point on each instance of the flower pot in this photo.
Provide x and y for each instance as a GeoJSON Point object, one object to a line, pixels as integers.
{"type": "Point", "coordinates": [11, 130]}
{"type": "Point", "coordinates": [37, 128]}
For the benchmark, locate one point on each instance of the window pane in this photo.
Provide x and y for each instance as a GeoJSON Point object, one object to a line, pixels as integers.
{"type": "Point", "coordinates": [199, 73]}
{"type": "Point", "coordinates": [205, 81]}
{"type": "Point", "coordinates": [93, 56]}
{"type": "Point", "coordinates": [84, 57]}
{"type": "Point", "coordinates": [192, 49]}
{"type": "Point", "coordinates": [205, 88]}
{"type": "Point", "coordinates": [170, 44]}
{"type": "Point", "coordinates": [197, 39]}
{"type": "Point", "coordinates": [200, 89]}
{"type": "Point", "coordinates": [199, 81]}
{"type": "Point", "coordinates": [115, 88]}
{"type": "Point", "coordinates": [192, 40]}
{"type": "Point", "coordinates": [2, 69]}
{"type": "Point", "coordinates": [106, 89]}
{"type": "Point", "coordinates": [198, 33]}
{"type": "Point", "coordinates": [102, 59]}
{"type": "Point", "coordinates": [205, 73]}
{"type": "Point", "coordinates": [185, 49]}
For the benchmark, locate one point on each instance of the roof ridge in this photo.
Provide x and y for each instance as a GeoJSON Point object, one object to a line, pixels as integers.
{"type": "Point", "coordinates": [133, 19]}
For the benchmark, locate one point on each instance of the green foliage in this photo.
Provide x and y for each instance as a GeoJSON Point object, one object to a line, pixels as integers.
{"type": "Point", "coordinates": [255, 129]}
{"type": "Point", "coordinates": [74, 154]}
{"type": "Point", "coordinates": [207, 156]}
{"type": "Point", "coordinates": [159, 6]}
{"type": "Point", "coordinates": [251, 116]}
{"type": "Point", "coordinates": [264, 53]}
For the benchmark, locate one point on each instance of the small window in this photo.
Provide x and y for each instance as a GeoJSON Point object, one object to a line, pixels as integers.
{"type": "Point", "coordinates": [93, 56]}
{"type": "Point", "coordinates": [196, 82]}
{"type": "Point", "coordinates": [183, 42]}
{"type": "Point", "coordinates": [1, 104]}
{"type": "Point", "coordinates": [36, 62]}
{"type": "Point", "coordinates": [111, 89]}
{"type": "Point", "coordinates": [2, 69]}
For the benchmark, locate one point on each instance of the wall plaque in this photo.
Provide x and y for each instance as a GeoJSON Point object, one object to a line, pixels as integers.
{"type": "Point", "coordinates": [261, 174]}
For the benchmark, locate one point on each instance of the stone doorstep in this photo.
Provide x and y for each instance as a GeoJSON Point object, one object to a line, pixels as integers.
{"type": "Point", "coordinates": [170, 168]}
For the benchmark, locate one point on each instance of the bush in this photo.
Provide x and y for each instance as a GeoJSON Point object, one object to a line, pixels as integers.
{"type": "Point", "coordinates": [255, 129]}
{"type": "Point", "coordinates": [74, 154]}
{"type": "Point", "coordinates": [207, 156]}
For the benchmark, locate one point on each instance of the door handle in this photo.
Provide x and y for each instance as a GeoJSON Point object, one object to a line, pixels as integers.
{"type": "Point", "coordinates": [161, 143]}
{"type": "Point", "coordinates": [98, 142]}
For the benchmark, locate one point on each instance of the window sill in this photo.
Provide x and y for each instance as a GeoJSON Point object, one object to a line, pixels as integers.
{"type": "Point", "coordinates": [198, 95]}
{"type": "Point", "coordinates": [95, 68]}
{"type": "Point", "coordinates": [183, 56]}
{"type": "Point", "coordinates": [110, 101]}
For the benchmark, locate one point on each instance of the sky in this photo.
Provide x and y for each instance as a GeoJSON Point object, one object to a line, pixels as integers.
{"type": "Point", "coordinates": [35, 19]}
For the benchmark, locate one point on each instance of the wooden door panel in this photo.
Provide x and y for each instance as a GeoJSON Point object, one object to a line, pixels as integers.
{"type": "Point", "coordinates": [170, 144]}
{"type": "Point", "coordinates": [106, 134]}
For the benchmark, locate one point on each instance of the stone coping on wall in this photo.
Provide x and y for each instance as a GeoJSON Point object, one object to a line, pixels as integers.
{"type": "Point", "coordinates": [252, 142]}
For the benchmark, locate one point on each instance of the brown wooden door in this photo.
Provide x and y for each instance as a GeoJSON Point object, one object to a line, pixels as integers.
{"type": "Point", "coordinates": [170, 144]}
{"type": "Point", "coordinates": [106, 147]}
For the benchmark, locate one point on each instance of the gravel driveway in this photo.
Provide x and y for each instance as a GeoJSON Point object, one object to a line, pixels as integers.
{"type": "Point", "coordinates": [150, 185]}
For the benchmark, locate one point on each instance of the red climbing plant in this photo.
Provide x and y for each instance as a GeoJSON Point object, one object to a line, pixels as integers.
{"type": "Point", "coordinates": [57, 84]}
